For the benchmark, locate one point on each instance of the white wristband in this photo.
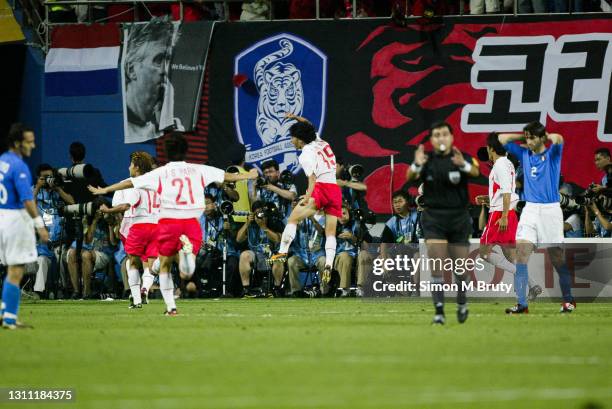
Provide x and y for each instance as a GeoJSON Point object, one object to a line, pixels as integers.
{"type": "Point", "coordinates": [416, 168]}
{"type": "Point", "coordinates": [467, 166]}
{"type": "Point", "coordinates": [38, 222]}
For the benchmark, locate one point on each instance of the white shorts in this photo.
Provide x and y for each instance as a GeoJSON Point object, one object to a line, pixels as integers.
{"type": "Point", "coordinates": [541, 223]}
{"type": "Point", "coordinates": [17, 237]}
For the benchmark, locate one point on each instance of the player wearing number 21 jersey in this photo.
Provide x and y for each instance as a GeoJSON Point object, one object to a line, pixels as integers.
{"type": "Point", "coordinates": [180, 187]}
{"type": "Point", "coordinates": [323, 193]}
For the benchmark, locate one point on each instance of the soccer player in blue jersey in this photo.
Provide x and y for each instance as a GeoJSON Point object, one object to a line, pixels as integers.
{"type": "Point", "coordinates": [18, 218]}
{"type": "Point", "coordinates": [541, 221]}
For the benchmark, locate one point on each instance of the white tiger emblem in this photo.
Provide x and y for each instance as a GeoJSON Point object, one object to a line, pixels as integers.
{"type": "Point", "coordinates": [280, 91]}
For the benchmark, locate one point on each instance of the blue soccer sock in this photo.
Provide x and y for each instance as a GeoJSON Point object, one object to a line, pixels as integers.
{"type": "Point", "coordinates": [565, 282]}
{"type": "Point", "coordinates": [521, 283]}
{"type": "Point", "coordinates": [10, 298]}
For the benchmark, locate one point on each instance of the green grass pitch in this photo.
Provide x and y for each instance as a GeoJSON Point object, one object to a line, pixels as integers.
{"type": "Point", "coordinates": [290, 353]}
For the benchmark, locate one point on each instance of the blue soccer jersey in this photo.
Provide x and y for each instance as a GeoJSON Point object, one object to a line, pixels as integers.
{"type": "Point", "coordinates": [541, 172]}
{"type": "Point", "coordinates": [15, 181]}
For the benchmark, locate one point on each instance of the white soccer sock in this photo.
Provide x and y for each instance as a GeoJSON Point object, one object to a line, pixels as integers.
{"type": "Point", "coordinates": [147, 279]}
{"type": "Point", "coordinates": [166, 286]}
{"type": "Point", "coordinates": [330, 250]}
{"type": "Point", "coordinates": [155, 266]}
{"type": "Point", "coordinates": [498, 260]}
{"type": "Point", "coordinates": [187, 264]}
{"type": "Point", "coordinates": [287, 237]}
{"type": "Point", "coordinates": [134, 282]}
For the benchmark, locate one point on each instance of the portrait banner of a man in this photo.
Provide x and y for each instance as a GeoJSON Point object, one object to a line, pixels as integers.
{"type": "Point", "coordinates": [162, 70]}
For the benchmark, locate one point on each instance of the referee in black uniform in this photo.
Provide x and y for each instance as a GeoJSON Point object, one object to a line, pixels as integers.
{"type": "Point", "coordinates": [445, 220]}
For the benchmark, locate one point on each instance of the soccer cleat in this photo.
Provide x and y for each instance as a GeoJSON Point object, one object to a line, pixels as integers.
{"type": "Point", "coordinates": [16, 325]}
{"type": "Point", "coordinates": [359, 292]}
{"type": "Point", "coordinates": [534, 292]}
{"type": "Point", "coordinates": [438, 319]}
{"type": "Point", "coordinates": [326, 275]}
{"type": "Point", "coordinates": [567, 307]}
{"type": "Point", "coordinates": [278, 258]}
{"type": "Point", "coordinates": [135, 306]}
{"type": "Point", "coordinates": [187, 246]}
{"type": "Point", "coordinates": [518, 309]}
{"type": "Point", "coordinates": [462, 313]}
{"type": "Point", "coordinates": [144, 294]}
{"type": "Point", "coordinates": [172, 313]}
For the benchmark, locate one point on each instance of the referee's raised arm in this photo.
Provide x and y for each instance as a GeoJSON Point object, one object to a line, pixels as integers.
{"type": "Point", "coordinates": [420, 158]}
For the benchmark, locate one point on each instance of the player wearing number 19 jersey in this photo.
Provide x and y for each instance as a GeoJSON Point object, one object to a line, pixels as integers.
{"type": "Point", "coordinates": [180, 186]}
{"type": "Point", "coordinates": [323, 193]}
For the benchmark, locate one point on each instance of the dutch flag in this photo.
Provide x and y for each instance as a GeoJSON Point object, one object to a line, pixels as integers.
{"type": "Point", "coordinates": [83, 60]}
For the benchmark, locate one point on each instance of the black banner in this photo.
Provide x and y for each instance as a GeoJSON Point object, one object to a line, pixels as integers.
{"type": "Point", "coordinates": [373, 89]}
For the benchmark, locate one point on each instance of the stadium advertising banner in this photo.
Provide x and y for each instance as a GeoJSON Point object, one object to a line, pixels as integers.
{"type": "Point", "coordinates": [162, 70]}
{"type": "Point", "coordinates": [372, 89]}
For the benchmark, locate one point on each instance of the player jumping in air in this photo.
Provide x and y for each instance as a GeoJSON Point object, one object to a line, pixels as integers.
{"type": "Point", "coordinates": [323, 193]}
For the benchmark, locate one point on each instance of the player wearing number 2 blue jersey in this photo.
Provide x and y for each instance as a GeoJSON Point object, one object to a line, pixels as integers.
{"type": "Point", "coordinates": [18, 217]}
{"type": "Point", "coordinates": [541, 221]}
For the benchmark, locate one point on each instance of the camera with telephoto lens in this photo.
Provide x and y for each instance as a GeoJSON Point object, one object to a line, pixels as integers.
{"type": "Point", "coordinates": [77, 172]}
{"type": "Point", "coordinates": [568, 202]}
{"type": "Point", "coordinates": [365, 216]}
{"type": "Point", "coordinates": [352, 173]}
{"type": "Point", "coordinates": [79, 209]}
{"type": "Point", "coordinates": [261, 182]}
{"type": "Point", "coordinates": [286, 177]}
{"type": "Point", "coordinates": [227, 209]}
{"type": "Point", "coordinates": [269, 211]}
{"type": "Point", "coordinates": [54, 180]}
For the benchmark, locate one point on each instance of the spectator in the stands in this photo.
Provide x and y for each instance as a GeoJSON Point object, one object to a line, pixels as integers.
{"type": "Point", "coordinates": [532, 6]}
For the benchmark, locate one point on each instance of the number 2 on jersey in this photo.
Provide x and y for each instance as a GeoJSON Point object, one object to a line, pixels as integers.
{"type": "Point", "coordinates": [179, 197]}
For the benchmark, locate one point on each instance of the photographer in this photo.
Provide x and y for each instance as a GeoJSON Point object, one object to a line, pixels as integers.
{"type": "Point", "coordinates": [97, 252]}
{"type": "Point", "coordinates": [308, 250]}
{"type": "Point", "coordinates": [272, 190]}
{"type": "Point", "coordinates": [262, 233]}
{"type": "Point", "coordinates": [348, 234]}
{"type": "Point", "coordinates": [602, 161]}
{"type": "Point", "coordinates": [222, 192]}
{"type": "Point", "coordinates": [601, 226]}
{"type": "Point", "coordinates": [401, 230]}
{"type": "Point", "coordinates": [49, 198]}
{"type": "Point", "coordinates": [217, 232]}
{"type": "Point", "coordinates": [353, 190]}
{"type": "Point", "coordinates": [77, 187]}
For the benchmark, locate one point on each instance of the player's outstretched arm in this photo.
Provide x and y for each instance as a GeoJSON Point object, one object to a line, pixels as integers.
{"type": "Point", "coordinates": [289, 115]}
{"type": "Point", "coordinates": [420, 158]}
{"type": "Point", "coordinates": [237, 177]}
{"type": "Point", "coordinates": [124, 184]}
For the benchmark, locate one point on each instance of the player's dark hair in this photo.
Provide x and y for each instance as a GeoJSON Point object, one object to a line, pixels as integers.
{"type": "Point", "coordinates": [535, 128]}
{"type": "Point", "coordinates": [270, 164]}
{"type": "Point", "coordinates": [143, 160]}
{"type": "Point", "coordinates": [603, 151]}
{"type": "Point", "coordinates": [438, 125]}
{"type": "Point", "coordinates": [303, 131]}
{"type": "Point", "coordinates": [77, 151]}
{"type": "Point", "coordinates": [15, 134]}
{"type": "Point", "coordinates": [494, 143]}
{"type": "Point", "coordinates": [176, 147]}
{"type": "Point", "coordinates": [42, 167]}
